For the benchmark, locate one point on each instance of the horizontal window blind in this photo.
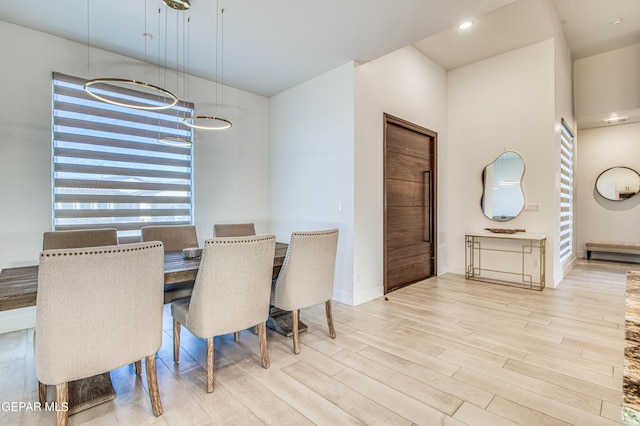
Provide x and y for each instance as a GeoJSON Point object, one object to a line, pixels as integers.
{"type": "Point", "coordinates": [109, 171]}
{"type": "Point", "coordinates": [566, 192]}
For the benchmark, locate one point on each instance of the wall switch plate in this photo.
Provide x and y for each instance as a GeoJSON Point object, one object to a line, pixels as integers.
{"type": "Point", "coordinates": [532, 207]}
{"type": "Point", "coordinates": [340, 208]}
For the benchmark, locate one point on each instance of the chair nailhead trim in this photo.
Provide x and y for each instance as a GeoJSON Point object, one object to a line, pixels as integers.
{"type": "Point", "coordinates": [304, 234]}
{"type": "Point", "coordinates": [119, 250]}
{"type": "Point", "coordinates": [246, 240]}
{"type": "Point", "coordinates": [315, 233]}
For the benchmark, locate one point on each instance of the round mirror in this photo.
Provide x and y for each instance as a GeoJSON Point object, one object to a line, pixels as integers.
{"type": "Point", "coordinates": [618, 183]}
{"type": "Point", "coordinates": [502, 195]}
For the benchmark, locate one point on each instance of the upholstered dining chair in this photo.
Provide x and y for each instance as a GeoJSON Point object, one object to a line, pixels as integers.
{"type": "Point", "coordinates": [90, 318]}
{"type": "Point", "coordinates": [306, 277]}
{"type": "Point", "coordinates": [79, 238]}
{"type": "Point", "coordinates": [174, 238]}
{"type": "Point", "coordinates": [233, 229]}
{"type": "Point", "coordinates": [231, 293]}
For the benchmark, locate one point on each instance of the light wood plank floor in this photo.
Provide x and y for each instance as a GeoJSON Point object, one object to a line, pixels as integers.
{"type": "Point", "coordinates": [443, 351]}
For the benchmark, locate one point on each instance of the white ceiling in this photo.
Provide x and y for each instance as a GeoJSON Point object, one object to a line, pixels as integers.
{"type": "Point", "coordinates": [270, 46]}
{"type": "Point", "coordinates": [586, 25]}
{"type": "Point", "coordinates": [513, 26]}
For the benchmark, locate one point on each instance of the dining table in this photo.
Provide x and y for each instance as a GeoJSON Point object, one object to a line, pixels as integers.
{"type": "Point", "coordinates": [19, 289]}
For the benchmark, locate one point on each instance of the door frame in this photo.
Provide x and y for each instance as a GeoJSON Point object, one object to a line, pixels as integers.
{"type": "Point", "coordinates": [390, 119]}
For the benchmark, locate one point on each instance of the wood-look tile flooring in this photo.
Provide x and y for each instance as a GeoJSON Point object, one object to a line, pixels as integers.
{"type": "Point", "coordinates": [443, 351]}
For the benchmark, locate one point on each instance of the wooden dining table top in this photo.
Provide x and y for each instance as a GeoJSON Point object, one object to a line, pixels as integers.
{"type": "Point", "coordinates": [19, 286]}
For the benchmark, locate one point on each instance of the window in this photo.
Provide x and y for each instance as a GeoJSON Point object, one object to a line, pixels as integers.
{"type": "Point", "coordinates": [566, 192]}
{"type": "Point", "coordinates": [109, 171]}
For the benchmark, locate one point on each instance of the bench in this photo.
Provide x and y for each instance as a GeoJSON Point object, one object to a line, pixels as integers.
{"type": "Point", "coordinates": [612, 247]}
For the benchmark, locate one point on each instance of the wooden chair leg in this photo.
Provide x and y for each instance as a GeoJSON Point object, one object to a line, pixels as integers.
{"type": "Point", "coordinates": [294, 322]}
{"type": "Point", "coordinates": [152, 382]}
{"type": "Point", "coordinates": [42, 393]}
{"type": "Point", "coordinates": [138, 367]}
{"type": "Point", "coordinates": [332, 331]}
{"type": "Point", "coordinates": [236, 336]}
{"type": "Point", "coordinates": [262, 336]}
{"type": "Point", "coordinates": [62, 404]}
{"type": "Point", "coordinates": [210, 364]}
{"type": "Point", "coordinates": [176, 341]}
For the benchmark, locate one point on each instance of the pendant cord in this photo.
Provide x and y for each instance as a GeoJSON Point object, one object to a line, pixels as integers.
{"type": "Point", "coordinates": [166, 30]}
{"type": "Point", "coordinates": [158, 53]}
{"type": "Point", "coordinates": [146, 69]}
{"type": "Point", "coordinates": [217, 80]}
{"type": "Point", "coordinates": [188, 75]}
{"type": "Point", "coordinates": [222, 56]}
{"type": "Point", "coordinates": [157, 67]}
{"type": "Point", "coordinates": [88, 44]}
{"type": "Point", "coordinates": [178, 72]}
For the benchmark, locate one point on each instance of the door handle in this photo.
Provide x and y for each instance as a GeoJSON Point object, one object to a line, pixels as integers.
{"type": "Point", "coordinates": [427, 206]}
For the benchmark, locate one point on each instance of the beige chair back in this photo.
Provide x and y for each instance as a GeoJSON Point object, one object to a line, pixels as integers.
{"type": "Point", "coordinates": [174, 237]}
{"type": "Point", "coordinates": [306, 277]}
{"type": "Point", "coordinates": [233, 285]}
{"type": "Point", "coordinates": [90, 315]}
{"type": "Point", "coordinates": [234, 229]}
{"type": "Point", "coordinates": [79, 238]}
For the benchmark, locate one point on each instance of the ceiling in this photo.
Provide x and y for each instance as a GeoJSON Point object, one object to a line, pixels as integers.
{"type": "Point", "coordinates": [586, 25]}
{"type": "Point", "coordinates": [271, 46]}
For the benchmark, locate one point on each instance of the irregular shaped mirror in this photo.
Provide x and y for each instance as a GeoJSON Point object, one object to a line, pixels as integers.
{"type": "Point", "coordinates": [618, 183]}
{"type": "Point", "coordinates": [502, 195]}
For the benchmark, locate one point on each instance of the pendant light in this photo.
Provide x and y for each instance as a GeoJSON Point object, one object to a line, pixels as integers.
{"type": "Point", "coordinates": [205, 122]}
{"type": "Point", "coordinates": [165, 99]}
{"type": "Point", "coordinates": [178, 140]}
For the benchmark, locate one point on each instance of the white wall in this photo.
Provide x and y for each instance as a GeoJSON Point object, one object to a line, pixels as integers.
{"type": "Point", "coordinates": [601, 219]}
{"type": "Point", "coordinates": [312, 165]}
{"type": "Point", "coordinates": [607, 83]}
{"type": "Point", "coordinates": [410, 86]}
{"type": "Point", "coordinates": [563, 111]}
{"type": "Point", "coordinates": [502, 103]}
{"type": "Point", "coordinates": [231, 168]}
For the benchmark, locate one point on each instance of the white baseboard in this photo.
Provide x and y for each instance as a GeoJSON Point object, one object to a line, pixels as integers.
{"type": "Point", "coordinates": [365, 296]}
{"type": "Point", "coordinates": [566, 268]}
{"type": "Point", "coordinates": [356, 299]}
{"type": "Point", "coordinates": [343, 297]}
{"type": "Point", "coordinates": [17, 319]}
{"type": "Point", "coordinates": [459, 270]}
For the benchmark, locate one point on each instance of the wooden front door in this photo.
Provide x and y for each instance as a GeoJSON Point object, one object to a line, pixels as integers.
{"type": "Point", "coordinates": [410, 203]}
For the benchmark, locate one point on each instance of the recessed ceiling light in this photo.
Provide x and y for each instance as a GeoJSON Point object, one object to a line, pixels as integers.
{"type": "Point", "coordinates": [616, 119]}
{"type": "Point", "coordinates": [465, 25]}
{"type": "Point", "coordinates": [616, 21]}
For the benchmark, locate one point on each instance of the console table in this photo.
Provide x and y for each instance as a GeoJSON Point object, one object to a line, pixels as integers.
{"type": "Point", "coordinates": [512, 259]}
